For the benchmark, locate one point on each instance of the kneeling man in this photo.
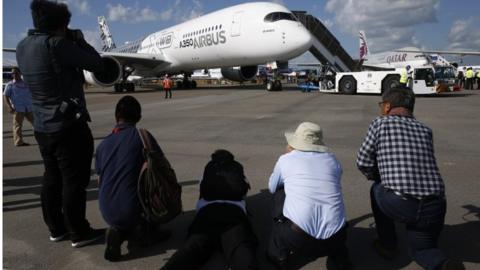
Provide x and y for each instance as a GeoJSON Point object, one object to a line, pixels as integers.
{"type": "Point", "coordinates": [309, 213]}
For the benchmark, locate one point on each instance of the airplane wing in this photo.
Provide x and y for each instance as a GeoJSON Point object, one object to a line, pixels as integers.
{"type": "Point", "coordinates": [442, 52]}
{"type": "Point", "coordinates": [142, 62]}
{"type": "Point", "coordinates": [9, 49]}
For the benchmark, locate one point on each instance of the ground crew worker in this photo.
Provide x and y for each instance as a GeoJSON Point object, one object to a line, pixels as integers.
{"type": "Point", "coordinates": [405, 75]}
{"type": "Point", "coordinates": [469, 76]}
{"type": "Point", "coordinates": [167, 86]}
{"type": "Point", "coordinates": [478, 80]}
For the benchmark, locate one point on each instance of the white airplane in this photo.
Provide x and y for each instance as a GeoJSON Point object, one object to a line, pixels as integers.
{"type": "Point", "coordinates": [391, 59]}
{"type": "Point", "coordinates": [405, 56]}
{"type": "Point", "coordinates": [236, 39]}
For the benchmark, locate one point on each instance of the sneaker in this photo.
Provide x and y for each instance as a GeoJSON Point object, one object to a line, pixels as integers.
{"type": "Point", "coordinates": [113, 244]}
{"type": "Point", "coordinates": [88, 238]}
{"type": "Point", "coordinates": [453, 265]}
{"type": "Point", "coordinates": [384, 252]}
{"type": "Point", "coordinates": [57, 238]}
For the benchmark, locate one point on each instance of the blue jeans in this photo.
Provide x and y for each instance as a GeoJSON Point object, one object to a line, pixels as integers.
{"type": "Point", "coordinates": [424, 221]}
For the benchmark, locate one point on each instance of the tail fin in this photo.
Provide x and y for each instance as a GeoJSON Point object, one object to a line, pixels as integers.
{"type": "Point", "coordinates": [105, 36]}
{"type": "Point", "coordinates": [363, 45]}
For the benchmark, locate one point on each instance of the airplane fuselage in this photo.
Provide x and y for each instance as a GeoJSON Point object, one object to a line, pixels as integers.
{"type": "Point", "coordinates": [241, 35]}
{"type": "Point", "coordinates": [396, 60]}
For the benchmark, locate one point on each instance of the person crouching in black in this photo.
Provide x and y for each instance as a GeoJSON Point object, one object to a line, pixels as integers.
{"type": "Point", "coordinates": [221, 221]}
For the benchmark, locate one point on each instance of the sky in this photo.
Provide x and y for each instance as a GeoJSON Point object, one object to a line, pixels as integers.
{"type": "Point", "coordinates": [388, 24]}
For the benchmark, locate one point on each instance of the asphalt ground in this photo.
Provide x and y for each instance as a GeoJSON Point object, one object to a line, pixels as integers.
{"type": "Point", "coordinates": [249, 122]}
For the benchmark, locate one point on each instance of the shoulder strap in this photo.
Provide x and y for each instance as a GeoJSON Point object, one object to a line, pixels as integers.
{"type": "Point", "coordinates": [145, 139]}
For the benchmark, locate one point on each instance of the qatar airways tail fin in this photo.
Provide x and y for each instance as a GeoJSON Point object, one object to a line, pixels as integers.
{"type": "Point", "coordinates": [105, 36]}
{"type": "Point", "coordinates": [364, 51]}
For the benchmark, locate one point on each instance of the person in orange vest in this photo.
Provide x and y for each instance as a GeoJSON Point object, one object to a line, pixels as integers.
{"type": "Point", "coordinates": [167, 86]}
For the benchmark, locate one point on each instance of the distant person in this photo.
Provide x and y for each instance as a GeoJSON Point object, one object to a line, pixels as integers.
{"type": "Point", "coordinates": [461, 79]}
{"type": "Point", "coordinates": [478, 80]}
{"type": "Point", "coordinates": [406, 76]}
{"type": "Point", "coordinates": [221, 222]}
{"type": "Point", "coordinates": [167, 86]}
{"type": "Point", "coordinates": [19, 102]}
{"type": "Point", "coordinates": [469, 77]}
{"type": "Point", "coordinates": [119, 158]}
{"type": "Point", "coordinates": [309, 213]}
{"type": "Point", "coordinates": [52, 58]}
{"type": "Point", "coordinates": [398, 155]}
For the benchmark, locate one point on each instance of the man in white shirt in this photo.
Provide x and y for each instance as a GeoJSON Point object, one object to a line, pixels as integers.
{"type": "Point", "coordinates": [309, 213]}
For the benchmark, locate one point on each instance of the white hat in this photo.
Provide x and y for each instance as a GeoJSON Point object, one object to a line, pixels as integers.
{"type": "Point", "coordinates": [307, 137]}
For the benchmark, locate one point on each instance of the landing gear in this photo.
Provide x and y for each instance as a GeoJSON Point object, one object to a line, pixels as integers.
{"type": "Point", "coordinates": [275, 85]}
{"type": "Point", "coordinates": [124, 84]}
{"type": "Point", "coordinates": [187, 82]}
{"type": "Point", "coordinates": [128, 87]}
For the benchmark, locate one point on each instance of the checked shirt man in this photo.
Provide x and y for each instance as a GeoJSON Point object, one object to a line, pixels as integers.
{"type": "Point", "coordinates": [398, 155]}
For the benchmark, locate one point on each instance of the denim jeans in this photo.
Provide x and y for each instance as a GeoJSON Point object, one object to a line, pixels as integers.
{"type": "Point", "coordinates": [424, 221]}
{"type": "Point", "coordinates": [67, 157]}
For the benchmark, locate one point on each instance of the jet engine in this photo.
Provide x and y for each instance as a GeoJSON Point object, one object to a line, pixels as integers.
{"type": "Point", "coordinates": [239, 74]}
{"type": "Point", "coordinates": [111, 74]}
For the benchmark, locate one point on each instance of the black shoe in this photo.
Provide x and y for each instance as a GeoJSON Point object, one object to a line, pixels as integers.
{"type": "Point", "coordinates": [58, 237]}
{"type": "Point", "coordinates": [88, 238]}
{"type": "Point", "coordinates": [113, 244]}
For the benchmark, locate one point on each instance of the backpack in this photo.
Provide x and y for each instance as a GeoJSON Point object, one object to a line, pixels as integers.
{"type": "Point", "coordinates": [158, 190]}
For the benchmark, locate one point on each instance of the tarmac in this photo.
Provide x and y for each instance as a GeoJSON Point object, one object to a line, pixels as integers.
{"type": "Point", "coordinates": [249, 122]}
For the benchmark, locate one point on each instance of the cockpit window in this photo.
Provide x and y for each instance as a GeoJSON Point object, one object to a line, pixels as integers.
{"type": "Point", "coordinates": [277, 16]}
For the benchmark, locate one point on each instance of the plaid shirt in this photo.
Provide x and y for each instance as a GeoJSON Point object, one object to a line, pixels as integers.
{"type": "Point", "coordinates": [398, 151]}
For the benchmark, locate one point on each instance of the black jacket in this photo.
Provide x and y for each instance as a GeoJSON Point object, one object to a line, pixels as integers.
{"type": "Point", "coordinates": [52, 67]}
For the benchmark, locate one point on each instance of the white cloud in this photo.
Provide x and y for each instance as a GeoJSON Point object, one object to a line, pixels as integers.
{"type": "Point", "coordinates": [327, 23]}
{"type": "Point", "coordinates": [387, 23]}
{"type": "Point", "coordinates": [136, 14]}
{"type": "Point", "coordinates": [190, 12]}
{"type": "Point", "coordinates": [81, 5]}
{"type": "Point", "coordinates": [464, 34]}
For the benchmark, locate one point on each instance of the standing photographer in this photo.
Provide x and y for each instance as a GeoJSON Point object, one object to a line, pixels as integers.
{"type": "Point", "coordinates": [52, 58]}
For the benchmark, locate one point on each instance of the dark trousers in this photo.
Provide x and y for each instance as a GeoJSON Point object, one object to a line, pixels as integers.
{"type": "Point", "coordinates": [469, 84]}
{"type": "Point", "coordinates": [67, 157]}
{"type": "Point", "coordinates": [424, 221]}
{"type": "Point", "coordinates": [285, 239]}
{"type": "Point", "coordinates": [168, 92]}
{"type": "Point", "coordinates": [218, 226]}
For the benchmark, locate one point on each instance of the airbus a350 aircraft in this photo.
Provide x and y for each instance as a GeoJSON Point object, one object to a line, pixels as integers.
{"type": "Point", "coordinates": [236, 39]}
{"type": "Point", "coordinates": [400, 58]}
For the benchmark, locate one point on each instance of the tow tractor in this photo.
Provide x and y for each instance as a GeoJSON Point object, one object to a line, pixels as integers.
{"type": "Point", "coordinates": [376, 82]}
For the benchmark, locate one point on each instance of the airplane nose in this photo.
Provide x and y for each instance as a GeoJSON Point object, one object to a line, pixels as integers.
{"type": "Point", "coordinates": [305, 38]}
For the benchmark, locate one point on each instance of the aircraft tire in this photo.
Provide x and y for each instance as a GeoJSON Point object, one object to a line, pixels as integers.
{"type": "Point", "coordinates": [118, 87]}
{"type": "Point", "coordinates": [269, 86]}
{"type": "Point", "coordinates": [348, 85]}
{"type": "Point", "coordinates": [130, 87]}
{"type": "Point", "coordinates": [194, 84]}
{"type": "Point", "coordinates": [277, 85]}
